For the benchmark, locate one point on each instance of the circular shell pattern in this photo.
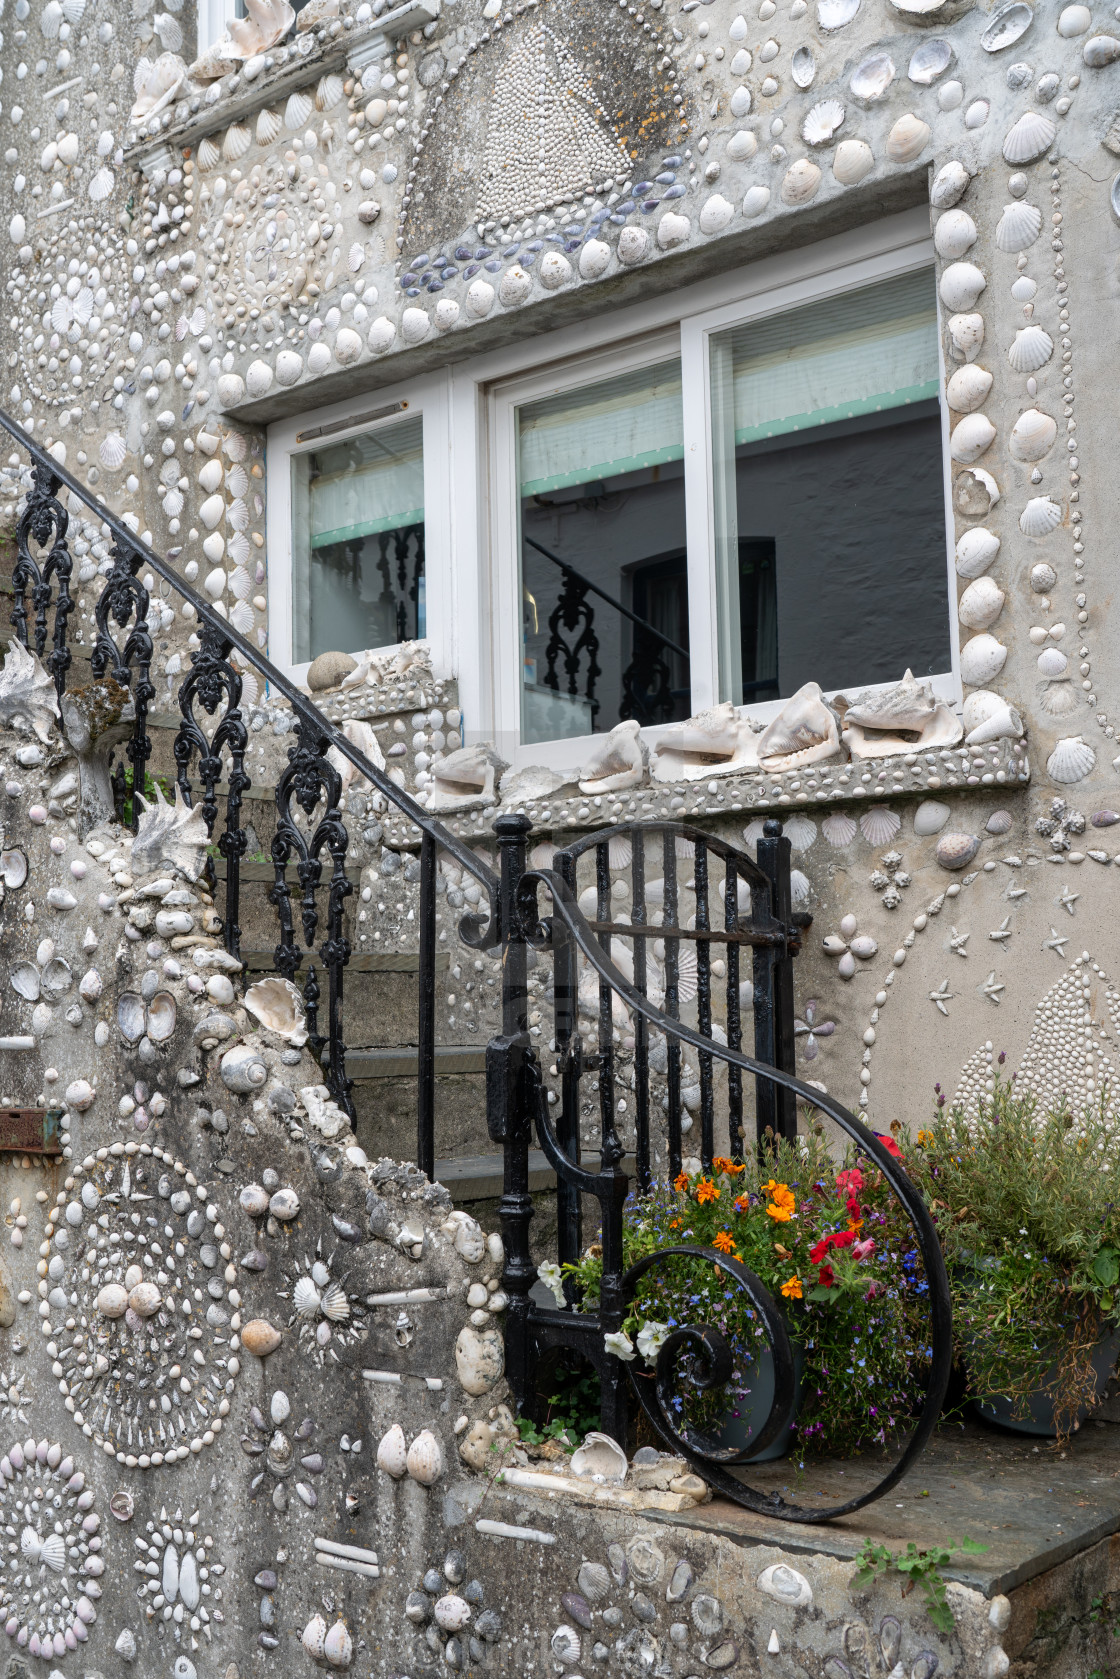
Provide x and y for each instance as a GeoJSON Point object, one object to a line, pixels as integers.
{"type": "Point", "coordinates": [52, 1555]}
{"type": "Point", "coordinates": [149, 1382]}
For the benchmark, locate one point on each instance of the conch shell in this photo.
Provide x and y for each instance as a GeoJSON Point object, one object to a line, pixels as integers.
{"type": "Point", "coordinates": [170, 836]}
{"type": "Point", "coordinates": [619, 762]}
{"type": "Point", "coordinates": [365, 739]}
{"type": "Point", "coordinates": [466, 779]}
{"type": "Point", "coordinates": [26, 691]}
{"type": "Point", "coordinates": [267, 22]}
{"type": "Point", "coordinates": [715, 742]}
{"type": "Point", "coordinates": [803, 732]}
{"type": "Point", "coordinates": [907, 717]}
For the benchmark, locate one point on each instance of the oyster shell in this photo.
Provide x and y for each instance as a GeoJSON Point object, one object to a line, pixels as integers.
{"type": "Point", "coordinates": [130, 1016]}
{"type": "Point", "coordinates": [278, 1005]}
{"type": "Point", "coordinates": [804, 731]}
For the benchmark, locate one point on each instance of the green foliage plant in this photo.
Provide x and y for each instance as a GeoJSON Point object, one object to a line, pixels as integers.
{"type": "Point", "coordinates": [920, 1568]}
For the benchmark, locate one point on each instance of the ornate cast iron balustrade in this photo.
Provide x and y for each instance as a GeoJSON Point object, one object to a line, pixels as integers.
{"type": "Point", "coordinates": [668, 954]}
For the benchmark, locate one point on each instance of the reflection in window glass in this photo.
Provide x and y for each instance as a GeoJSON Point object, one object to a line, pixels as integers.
{"type": "Point", "coordinates": [358, 542]}
{"type": "Point", "coordinates": [603, 571]}
{"type": "Point", "coordinates": [829, 494]}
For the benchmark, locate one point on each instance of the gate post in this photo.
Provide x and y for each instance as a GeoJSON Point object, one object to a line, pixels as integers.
{"type": "Point", "coordinates": [773, 859]}
{"type": "Point", "coordinates": [508, 1117]}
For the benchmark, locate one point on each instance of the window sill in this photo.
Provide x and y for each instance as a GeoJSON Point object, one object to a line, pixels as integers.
{"type": "Point", "coordinates": [819, 786]}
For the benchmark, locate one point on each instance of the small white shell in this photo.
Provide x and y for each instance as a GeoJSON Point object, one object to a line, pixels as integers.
{"type": "Point", "coordinates": [209, 154]}
{"type": "Point", "coordinates": [971, 438]}
{"type": "Point", "coordinates": [297, 111]}
{"type": "Point", "coordinates": [802, 68]}
{"type": "Point", "coordinates": [1018, 227]}
{"type": "Point", "coordinates": [335, 1303]}
{"type": "Point", "coordinates": [976, 549]}
{"type": "Point", "coordinates": [1043, 578]}
{"type": "Point", "coordinates": [1028, 138]}
{"type": "Point", "coordinates": [981, 604]}
{"type": "Point", "coordinates": [839, 830]}
{"type": "Point", "coordinates": [879, 825]}
{"type": "Point", "coordinates": [949, 185]}
{"type": "Point", "coordinates": [1032, 436]}
{"type": "Point", "coordinates": [328, 93]}
{"type": "Point", "coordinates": [1024, 289]}
{"type": "Point", "coordinates": [1030, 349]}
{"type": "Point", "coordinates": [1040, 516]}
{"type": "Point", "coordinates": [960, 285]}
{"type": "Point", "coordinates": [269, 124]}
{"type": "Point", "coordinates": [908, 138]}
{"type": "Point", "coordinates": [967, 389]}
{"type": "Point", "coordinates": [392, 1452]}
{"type": "Point", "coordinates": [338, 1646]}
{"type": "Point", "coordinates": [236, 141]}
{"type": "Point", "coordinates": [954, 234]}
{"type": "Point", "coordinates": [966, 335]}
{"type": "Point", "coordinates": [315, 1637]}
{"type": "Point", "coordinates": [821, 122]}
{"type": "Point", "coordinates": [852, 160]}
{"type": "Point", "coordinates": [425, 1459]}
{"type": "Point", "coordinates": [800, 182]}
{"type": "Point", "coordinates": [872, 77]}
{"type": "Point", "coordinates": [112, 451]}
{"type": "Point", "coordinates": [786, 1585]}
{"type": "Point", "coordinates": [1071, 760]}
{"type": "Point", "coordinates": [982, 658]}
{"type": "Point", "coordinates": [101, 184]}
{"type": "Point", "coordinates": [306, 1297]}
{"type": "Point", "coordinates": [1052, 663]}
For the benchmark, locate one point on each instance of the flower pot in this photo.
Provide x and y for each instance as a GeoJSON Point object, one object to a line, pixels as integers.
{"type": "Point", "coordinates": [1039, 1418]}
{"type": "Point", "coordinates": [742, 1422]}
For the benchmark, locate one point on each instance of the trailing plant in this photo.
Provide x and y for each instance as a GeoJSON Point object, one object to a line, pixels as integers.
{"type": "Point", "coordinates": [921, 1568]}
{"type": "Point", "coordinates": [1027, 1205]}
{"type": "Point", "coordinates": [832, 1246]}
{"type": "Point", "coordinates": [571, 1412]}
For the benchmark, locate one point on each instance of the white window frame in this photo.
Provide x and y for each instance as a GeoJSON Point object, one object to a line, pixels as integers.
{"type": "Point", "coordinates": [471, 527]}
{"type": "Point", "coordinates": [212, 17]}
{"type": "Point", "coordinates": [426, 398]}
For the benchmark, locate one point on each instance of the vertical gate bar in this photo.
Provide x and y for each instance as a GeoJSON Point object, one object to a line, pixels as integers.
{"type": "Point", "coordinates": [569, 1220]}
{"type": "Point", "coordinates": [515, 1208]}
{"type": "Point", "coordinates": [765, 1093]}
{"type": "Point", "coordinates": [672, 1004]}
{"type": "Point", "coordinates": [734, 1015]}
{"type": "Point", "coordinates": [775, 848]}
{"type": "Point", "coordinates": [426, 1022]}
{"type": "Point", "coordinates": [704, 1007]}
{"type": "Point", "coordinates": [614, 1382]}
{"type": "Point", "coordinates": [641, 1028]}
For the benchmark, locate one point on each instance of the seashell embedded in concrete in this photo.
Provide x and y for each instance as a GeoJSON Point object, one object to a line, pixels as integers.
{"type": "Point", "coordinates": [144, 1300]}
{"type": "Point", "coordinates": [13, 869]}
{"type": "Point", "coordinates": [872, 77]}
{"type": "Point", "coordinates": [930, 817]}
{"type": "Point", "coordinates": [981, 604]}
{"type": "Point", "coordinates": [954, 234]}
{"type": "Point", "coordinates": [982, 658]}
{"type": "Point", "coordinates": [967, 389]}
{"type": "Point", "coordinates": [976, 549]}
{"type": "Point", "coordinates": [161, 1017]}
{"type": "Point", "coordinates": [949, 185]}
{"type": "Point", "coordinates": [972, 437]}
{"type": "Point", "coordinates": [785, 1585]}
{"type": "Point", "coordinates": [451, 1612]}
{"type": "Point", "coordinates": [852, 160]}
{"type": "Point", "coordinates": [1006, 25]}
{"type": "Point", "coordinates": [929, 61]}
{"type": "Point", "coordinates": [260, 1338]}
{"type": "Point", "coordinates": [112, 1301]}
{"type": "Point", "coordinates": [466, 779]}
{"type": "Point", "coordinates": [1018, 227]}
{"type": "Point", "coordinates": [956, 850]}
{"type": "Point", "coordinates": [338, 1646]}
{"type": "Point", "coordinates": [26, 981]}
{"type": "Point", "coordinates": [565, 1644]}
{"type": "Point", "coordinates": [908, 138]}
{"type": "Point", "coordinates": [425, 1462]}
{"type": "Point", "coordinates": [802, 68]}
{"type": "Point", "coordinates": [804, 731]}
{"type": "Point", "coordinates": [966, 335]}
{"type": "Point", "coordinates": [243, 1070]}
{"type": "Point", "coordinates": [1100, 50]}
{"type": "Point", "coordinates": [1028, 138]}
{"type": "Point", "coordinates": [1032, 436]}
{"type": "Point", "coordinates": [599, 1458]}
{"type": "Point", "coordinates": [800, 182]}
{"type": "Point", "coordinates": [392, 1452]}
{"type": "Point", "coordinates": [314, 1637]}
{"type": "Point", "coordinates": [278, 1005]}
{"type": "Point", "coordinates": [1030, 349]}
{"type": "Point", "coordinates": [821, 122]}
{"type": "Point", "coordinates": [960, 285]}
{"type": "Point", "coordinates": [1040, 516]}
{"type": "Point", "coordinates": [1070, 761]}
{"type": "Point", "coordinates": [1002, 722]}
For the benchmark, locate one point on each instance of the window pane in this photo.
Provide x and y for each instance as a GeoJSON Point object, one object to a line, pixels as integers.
{"type": "Point", "coordinates": [358, 542]}
{"type": "Point", "coordinates": [829, 494]}
{"type": "Point", "coordinates": [603, 572]}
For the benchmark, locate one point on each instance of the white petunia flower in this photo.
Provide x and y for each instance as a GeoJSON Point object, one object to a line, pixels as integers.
{"type": "Point", "coordinates": [552, 1278]}
{"type": "Point", "coordinates": [621, 1344]}
{"type": "Point", "coordinates": [651, 1338]}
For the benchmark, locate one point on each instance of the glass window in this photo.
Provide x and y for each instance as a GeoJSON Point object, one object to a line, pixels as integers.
{"type": "Point", "coordinates": [829, 494]}
{"type": "Point", "coordinates": [603, 569]}
{"type": "Point", "coordinates": [358, 542]}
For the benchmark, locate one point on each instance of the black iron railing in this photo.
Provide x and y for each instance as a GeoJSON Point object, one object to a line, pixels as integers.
{"type": "Point", "coordinates": [669, 952]}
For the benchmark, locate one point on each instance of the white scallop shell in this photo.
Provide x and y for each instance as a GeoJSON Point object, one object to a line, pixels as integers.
{"type": "Point", "coordinates": [839, 830]}
{"type": "Point", "coordinates": [1028, 138]}
{"type": "Point", "coordinates": [966, 335]}
{"type": "Point", "coordinates": [238, 547]}
{"type": "Point", "coordinates": [1052, 663]}
{"type": "Point", "coordinates": [872, 77]}
{"type": "Point", "coordinates": [967, 389]}
{"type": "Point", "coordinates": [1018, 227]}
{"type": "Point", "coordinates": [1024, 289]}
{"type": "Point", "coordinates": [565, 1644]}
{"type": "Point", "coordinates": [336, 1303]}
{"type": "Point", "coordinates": [237, 480]}
{"type": "Point", "coordinates": [235, 445]}
{"type": "Point", "coordinates": [1071, 760]}
{"type": "Point", "coordinates": [355, 257]}
{"type": "Point", "coordinates": [954, 234]}
{"type": "Point", "coordinates": [112, 451]}
{"type": "Point", "coordinates": [209, 154]}
{"type": "Point", "coordinates": [1059, 699]}
{"type": "Point", "coordinates": [971, 438]}
{"type": "Point", "coordinates": [297, 111]}
{"type": "Point", "coordinates": [821, 122]}
{"type": "Point", "coordinates": [976, 549]}
{"type": "Point", "coordinates": [240, 583]}
{"type": "Point", "coordinates": [908, 138]}
{"type": "Point", "coordinates": [173, 504]}
{"type": "Point", "coordinates": [1040, 516]}
{"type": "Point", "coordinates": [949, 185]}
{"type": "Point", "coordinates": [982, 658]}
{"type": "Point", "coordinates": [241, 616]}
{"type": "Point", "coordinates": [1032, 436]}
{"type": "Point", "coordinates": [960, 285]}
{"type": "Point", "coordinates": [236, 141]}
{"type": "Point", "coordinates": [879, 825]}
{"type": "Point", "coordinates": [102, 184]}
{"type": "Point", "coordinates": [306, 1298]}
{"type": "Point", "coordinates": [269, 124]}
{"type": "Point", "coordinates": [1030, 349]}
{"type": "Point", "coordinates": [328, 93]}
{"type": "Point", "coordinates": [801, 831]}
{"type": "Point", "coordinates": [981, 604]}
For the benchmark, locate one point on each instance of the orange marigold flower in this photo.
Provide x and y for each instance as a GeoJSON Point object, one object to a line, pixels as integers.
{"type": "Point", "coordinates": [792, 1288]}
{"type": "Point", "coordinates": [781, 1205]}
{"type": "Point", "coordinates": [681, 1181]}
{"type": "Point", "coordinates": [728, 1167]}
{"type": "Point", "coordinates": [724, 1242]}
{"type": "Point", "coordinates": [742, 1205]}
{"type": "Point", "coordinates": [925, 1138]}
{"type": "Point", "coordinates": [706, 1190]}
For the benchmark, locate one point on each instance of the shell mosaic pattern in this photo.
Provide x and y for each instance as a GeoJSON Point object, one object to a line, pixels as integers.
{"type": "Point", "coordinates": [325, 1314]}
{"type": "Point", "coordinates": [137, 1303]}
{"type": "Point", "coordinates": [52, 1562]}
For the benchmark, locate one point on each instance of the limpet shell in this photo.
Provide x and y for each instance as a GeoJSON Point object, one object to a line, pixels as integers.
{"type": "Point", "coordinates": [956, 850]}
{"type": "Point", "coordinates": [786, 1585]}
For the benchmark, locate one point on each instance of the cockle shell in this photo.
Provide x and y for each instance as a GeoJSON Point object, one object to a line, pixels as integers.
{"type": "Point", "coordinates": [949, 185]}
{"type": "Point", "coordinates": [392, 1452]}
{"type": "Point", "coordinates": [872, 77]}
{"type": "Point", "coordinates": [1018, 227]}
{"type": "Point", "coordinates": [800, 182]}
{"type": "Point", "coordinates": [425, 1459]}
{"type": "Point", "coordinates": [981, 604]}
{"type": "Point", "coordinates": [966, 335]}
{"type": "Point", "coordinates": [804, 731]}
{"type": "Point", "coordinates": [971, 438]}
{"type": "Point", "coordinates": [879, 825]}
{"type": "Point", "coordinates": [599, 1458]}
{"type": "Point", "coordinates": [852, 160]}
{"type": "Point", "coordinates": [1070, 761]}
{"type": "Point", "coordinates": [908, 138]}
{"type": "Point", "coordinates": [336, 1303]}
{"type": "Point", "coordinates": [960, 285]}
{"type": "Point", "coordinates": [1032, 436]}
{"type": "Point", "coordinates": [967, 389]}
{"type": "Point", "coordinates": [1030, 349]}
{"type": "Point", "coordinates": [145, 1300]}
{"type": "Point", "coordinates": [956, 851]}
{"type": "Point", "coordinates": [1043, 578]}
{"type": "Point", "coordinates": [930, 817]}
{"type": "Point", "coordinates": [821, 122]}
{"type": "Point", "coordinates": [565, 1644]}
{"type": "Point", "coordinates": [982, 658]}
{"type": "Point", "coordinates": [1052, 662]}
{"type": "Point", "coordinates": [786, 1585]}
{"type": "Point", "coordinates": [1040, 516]}
{"type": "Point", "coordinates": [1028, 138]}
{"type": "Point", "coordinates": [594, 1581]}
{"type": "Point", "coordinates": [954, 234]}
{"type": "Point", "coordinates": [278, 1005]}
{"type": "Point", "coordinates": [976, 549]}
{"type": "Point", "coordinates": [743, 144]}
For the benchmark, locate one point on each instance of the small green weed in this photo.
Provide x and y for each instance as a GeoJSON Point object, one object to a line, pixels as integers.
{"type": "Point", "coordinates": [923, 1569]}
{"type": "Point", "coordinates": [572, 1411]}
